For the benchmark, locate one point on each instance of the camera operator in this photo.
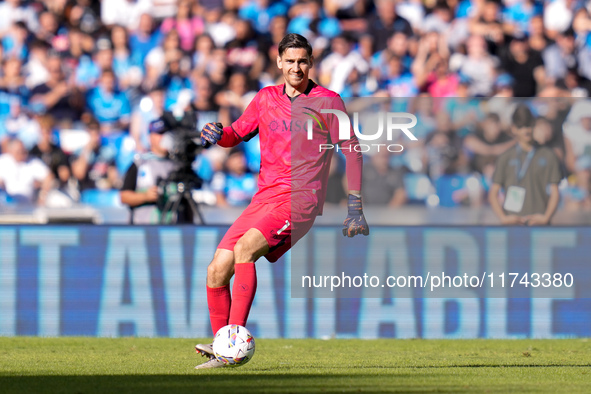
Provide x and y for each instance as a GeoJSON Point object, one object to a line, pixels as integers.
{"type": "Point", "coordinates": [158, 185]}
{"type": "Point", "coordinates": [141, 183]}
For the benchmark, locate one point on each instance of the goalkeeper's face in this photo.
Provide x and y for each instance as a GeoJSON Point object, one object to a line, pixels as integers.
{"type": "Point", "coordinates": [295, 65]}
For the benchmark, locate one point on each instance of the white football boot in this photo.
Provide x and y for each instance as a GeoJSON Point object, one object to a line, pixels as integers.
{"type": "Point", "coordinates": [204, 349]}
{"type": "Point", "coordinates": [212, 363]}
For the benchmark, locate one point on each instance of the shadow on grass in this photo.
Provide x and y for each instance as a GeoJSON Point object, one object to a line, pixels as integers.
{"type": "Point", "coordinates": [278, 381]}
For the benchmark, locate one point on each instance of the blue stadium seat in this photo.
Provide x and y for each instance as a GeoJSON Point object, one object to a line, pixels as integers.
{"type": "Point", "coordinates": [101, 198]}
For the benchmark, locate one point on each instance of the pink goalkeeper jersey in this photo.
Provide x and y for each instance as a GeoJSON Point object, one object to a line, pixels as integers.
{"type": "Point", "coordinates": [293, 166]}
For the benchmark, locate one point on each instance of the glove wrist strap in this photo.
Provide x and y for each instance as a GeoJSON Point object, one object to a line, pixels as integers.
{"type": "Point", "coordinates": [354, 205]}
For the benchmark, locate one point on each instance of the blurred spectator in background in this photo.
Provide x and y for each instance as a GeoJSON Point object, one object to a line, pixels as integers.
{"type": "Point", "coordinates": [57, 96]}
{"type": "Point", "coordinates": [110, 106]}
{"type": "Point", "coordinates": [577, 135]}
{"type": "Point", "coordinates": [204, 104]}
{"type": "Point", "coordinates": [204, 47]}
{"type": "Point", "coordinates": [128, 73]}
{"type": "Point", "coordinates": [234, 100]}
{"type": "Point", "coordinates": [486, 144]}
{"type": "Point", "coordinates": [144, 38]}
{"type": "Point", "coordinates": [185, 23]}
{"type": "Point", "coordinates": [336, 68]}
{"type": "Point", "coordinates": [16, 11]}
{"type": "Point", "coordinates": [25, 180]}
{"type": "Point", "coordinates": [175, 79]}
{"type": "Point", "coordinates": [94, 165]}
{"type": "Point", "coordinates": [235, 186]}
{"type": "Point", "coordinates": [54, 158]}
{"type": "Point", "coordinates": [89, 69]}
{"type": "Point", "coordinates": [529, 176]}
{"type": "Point", "coordinates": [524, 65]}
{"type": "Point", "coordinates": [15, 41]}
{"type": "Point", "coordinates": [124, 12]}
{"type": "Point", "coordinates": [443, 148]}
{"type": "Point", "coordinates": [150, 108]}
{"type": "Point", "coordinates": [383, 22]}
{"type": "Point", "coordinates": [478, 66]}
{"type": "Point", "coordinates": [382, 184]}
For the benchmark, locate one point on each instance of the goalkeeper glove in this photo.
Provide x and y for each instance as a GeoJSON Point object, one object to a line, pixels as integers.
{"type": "Point", "coordinates": [355, 222]}
{"type": "Point", "coordinates": [211, 134]}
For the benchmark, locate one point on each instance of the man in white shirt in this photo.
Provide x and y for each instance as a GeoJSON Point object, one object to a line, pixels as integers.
{"type": "Point", "coordinates": [21, 177]}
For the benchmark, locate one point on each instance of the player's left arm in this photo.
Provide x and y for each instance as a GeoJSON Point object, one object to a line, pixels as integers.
{"type": "Point", "coordinates": [355, 222]}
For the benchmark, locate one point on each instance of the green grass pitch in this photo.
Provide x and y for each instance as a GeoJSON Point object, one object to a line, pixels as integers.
{"type": "Point", "coordinates": [140, 365]}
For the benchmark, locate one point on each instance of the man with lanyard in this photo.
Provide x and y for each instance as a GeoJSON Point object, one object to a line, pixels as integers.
{"type": "Point", "coordinates": [529, 175]}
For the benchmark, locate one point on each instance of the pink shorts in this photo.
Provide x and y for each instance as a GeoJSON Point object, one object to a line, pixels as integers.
{"type": "Point", "coordinates": [280, 227]}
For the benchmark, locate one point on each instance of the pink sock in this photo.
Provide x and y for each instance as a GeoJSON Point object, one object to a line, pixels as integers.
{"type": "Point", "coordinates": [218, 301]}
{"type": "Point", "coordinates": [243, 290]}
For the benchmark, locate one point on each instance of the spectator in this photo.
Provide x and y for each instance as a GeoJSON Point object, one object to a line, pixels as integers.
{"type": "Point", "coordinates": [398, 45]}
{"type": "Point", "coordinates": [443, 149]}
{"type": "Point", "coordinates": [235, 186]}
{"type": "Point", "coordinates": [94, 165]}
{"type": "Point", "coordinates": [525, 172]}
{"type": "Point", "coordinates": [15, 11]}
{"type": "Point", "coordinates": [234, 100]}
{"type": "Point", "coordinates": [204, 104]}
{"type": "Point", "coordinates": [89, 70]}
{"type": "Point", "coordinates": [25, 180]}
{"type": "Point", "coordinates": [151, 107]}
{"type": "Point", "coordinates": [382, 184]}
{"type": "Point", "coordinates": [128, 73]}
{"type": "Point", "coordinates": [203, 53]}
{"type": "Point", "coordinates": [524, 65]}
{"type": "Point", "coordinates": [486, 144]}
{"type": "Point", "coordinates": [261, 12]}
{"type": "Point", "coordinates": [56, 96]}
{"type": "Point", "coordinates": [486, 22]}
{"type": "Point", "coordinates": [13, 90]}
{"type": "Point", "coordinates": [398, 82]}
{"type": "Point", "coordinates": [336, 68]}
{"type": "Point", "coordinates": [383, 22]}
{"type": "Point", "coordinates": [187, 25]}
{"type": "Point", "coordinates": [243, 51]}
{"type": "Point", "coordinates": [479, 66]}
{"type": "Point", "coordinates": [174, 80]}
{"type": "Point", "coordinates": [54, 158]}
{"type": "Point", "coordinates": [108, 105]}
{"type": "Point", "coordinates": [127, 13]}
{"type": "Point", "coordinates": [144, 39]}
{"type": "Point", "coordinates": [560, 57]}
{"type": "Point", "coordinates": [15, 41]}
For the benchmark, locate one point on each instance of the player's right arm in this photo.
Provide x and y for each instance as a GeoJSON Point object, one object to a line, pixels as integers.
{"type": "Point", "coordinates": [243, 129]}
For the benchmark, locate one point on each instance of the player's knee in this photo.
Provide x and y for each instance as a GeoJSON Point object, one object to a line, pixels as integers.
{"type": "Point", "coordinates": [218, 274]}
{"type": "Point", "coordinates": [243, 253]}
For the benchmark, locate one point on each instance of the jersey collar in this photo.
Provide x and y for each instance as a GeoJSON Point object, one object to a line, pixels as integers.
{"type": "Point", "coordinates": [311, 85]}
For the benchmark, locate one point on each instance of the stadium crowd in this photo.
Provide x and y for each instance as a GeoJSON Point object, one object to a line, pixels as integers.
{"type": "Point", "coordinates": [81, 80]}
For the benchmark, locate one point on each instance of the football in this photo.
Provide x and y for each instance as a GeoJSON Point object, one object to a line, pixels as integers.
{"type": "Point", "coordinates": [233, 345]}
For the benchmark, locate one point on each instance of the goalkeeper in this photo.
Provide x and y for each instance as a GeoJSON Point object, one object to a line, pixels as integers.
{"type": "Point", "coordinates": [292, 185]}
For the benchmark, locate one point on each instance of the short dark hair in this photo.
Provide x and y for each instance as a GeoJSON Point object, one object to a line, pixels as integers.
{"type": "Point", "coordinates": [522, 117]}
{"type": "Point", "coordinates": [294, 40]}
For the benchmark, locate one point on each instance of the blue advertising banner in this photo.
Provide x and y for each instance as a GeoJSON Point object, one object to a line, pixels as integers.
{"type": "Point", "coordinates": [150, 281]}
